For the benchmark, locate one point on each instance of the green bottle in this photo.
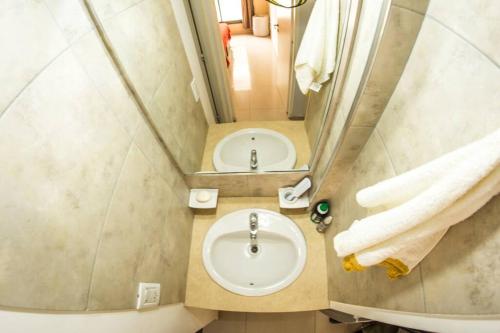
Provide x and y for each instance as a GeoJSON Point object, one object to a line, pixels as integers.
{"type": "Point", "coordinates": [320, 211]}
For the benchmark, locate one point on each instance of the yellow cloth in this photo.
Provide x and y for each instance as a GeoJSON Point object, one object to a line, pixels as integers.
{"type": "Point", "coordinates": [395, 268]}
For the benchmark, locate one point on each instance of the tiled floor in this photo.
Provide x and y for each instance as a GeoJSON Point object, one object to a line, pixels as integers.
{"type": "Point", "coordinates": [296, 322]}
{"type": "Point", "coordinates": [253, 75]}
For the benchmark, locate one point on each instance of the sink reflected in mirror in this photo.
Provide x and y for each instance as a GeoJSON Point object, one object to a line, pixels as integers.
{"type": "Point", "coordinates": [254, 149]}
{"type": "Point", "coordinates": [254, 252]}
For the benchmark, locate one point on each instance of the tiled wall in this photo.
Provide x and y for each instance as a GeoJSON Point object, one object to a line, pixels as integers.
{"type": "Point", "coordinates": [316, 108]}
{"type": "Point", "coordinates": [448, 95]}
{"type": "Point", "coordinates": [90, 204]}
{"type": "Point", "coordinates": [356, 118]}
{"type": "Point", "coordinates": [144, 36]}
{"type": "Point", "coordinates": [364, 39]}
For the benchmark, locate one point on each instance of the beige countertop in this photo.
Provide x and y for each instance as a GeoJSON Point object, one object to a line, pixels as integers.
{"type": "Point", "coordinates": [307, 292]}
{"type": "Point", "coordinates": [292, 129]}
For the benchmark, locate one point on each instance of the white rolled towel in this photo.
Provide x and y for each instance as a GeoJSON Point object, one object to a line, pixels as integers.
{"type": "Point", "coordinates": [413, 245]}
{"type": "Point", "coordinates": [428, 200]}
{"type": "Point", "coordinates": [399, 189]}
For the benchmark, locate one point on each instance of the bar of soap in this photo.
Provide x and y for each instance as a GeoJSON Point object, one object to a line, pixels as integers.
{"type": "Point", "coordinates": [203, 196]}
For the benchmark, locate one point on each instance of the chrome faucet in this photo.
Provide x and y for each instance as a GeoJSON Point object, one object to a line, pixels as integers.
{"type": "Point", "coordinates": [253, 159]}
{"type": "Point", "coordinates": [254, 225]}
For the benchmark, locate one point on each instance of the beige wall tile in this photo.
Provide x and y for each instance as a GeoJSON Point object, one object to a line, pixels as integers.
{"type": "Point", "coordinates": [63, 143]}
{"type": "Point", "coordinates": [140, 39]}
{"type": "Point", "coordinates": [354, 140]}
{"type": "Point", "coordinates": [451, 103]}
{"type": "Point", "coordinates": [146, 40]}
{"type": "Point", "coordinates": [148, 144]}
{"type": "Point", "coordinates": [245, 185]}
{"type": "Point", "coordinates": [61, 157]}
{"type": "Point", "coordinates": [147, 227]}
{"type": "Point", "coordinates": [71, 17]}
{"type": "Point", "coordinates": [371, 287]}
{"type": "Point", "coordinates": [476, 21]}
{"type": "Point", "coordinates": [229, 185]}
{"type": "Point", "coordinates": [316, 108]}
{"type": "Point", "coordinates": [461, 274]}
{"type": "Point", "coordinates": [419, 6]}
{"type": "Point", "coordinates": [398, 38]}
{"type": "Point", "coordinates": [108, 8]}
{"type": "Point", "coordinates": [27, 51]}
{"type": "Point", "coordinates": [99, 67]}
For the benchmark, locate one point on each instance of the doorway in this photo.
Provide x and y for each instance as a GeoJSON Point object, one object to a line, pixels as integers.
{"type": "Point", "coordinates": [259, 62]}
{"type": "Point", "coordinates": [249, 57]}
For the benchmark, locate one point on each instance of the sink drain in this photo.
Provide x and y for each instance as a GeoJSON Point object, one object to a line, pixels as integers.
{"type": "Point", "coordinates": [254, 249]}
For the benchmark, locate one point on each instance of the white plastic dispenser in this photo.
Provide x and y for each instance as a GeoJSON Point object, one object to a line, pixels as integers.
{"type": "Point", "coordinates": [295, 197]}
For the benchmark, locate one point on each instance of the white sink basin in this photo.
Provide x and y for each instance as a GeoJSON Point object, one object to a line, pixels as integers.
{"type": "Point", "coordinates": [273, 150]}
{"type": "Point", "coordinates": [229, 261]}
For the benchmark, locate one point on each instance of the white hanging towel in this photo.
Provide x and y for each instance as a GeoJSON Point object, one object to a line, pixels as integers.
{"type": "Point", "coordinates": [317, 54]}
{"type": "Point", "coordinates": [423, 204]}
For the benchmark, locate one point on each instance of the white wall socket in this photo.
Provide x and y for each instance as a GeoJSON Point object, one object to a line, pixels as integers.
{"type": "Point", "coordinates": [194, 88]}
{"type": "Point", "coordinates": [148, 295]}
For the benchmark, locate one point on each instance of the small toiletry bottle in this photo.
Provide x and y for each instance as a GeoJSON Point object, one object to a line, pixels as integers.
{"type": "Point", "coordinates": [320, 211]}
{"type": "Point", "coordinates": [323, 225]}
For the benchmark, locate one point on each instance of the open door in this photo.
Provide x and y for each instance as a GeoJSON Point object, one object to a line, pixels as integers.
{"type": "Point", "coordinates": [281, 36]}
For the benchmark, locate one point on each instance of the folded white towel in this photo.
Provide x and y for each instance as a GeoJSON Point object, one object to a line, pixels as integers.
{"type": "Point", "coordinates": [318, 49]}
{"type": "Point", "coordinates": [435, 196]}
{"type": "Point", "coordinates": [404, 187]}
{"type": "Point", "coordinates": [412, 246]}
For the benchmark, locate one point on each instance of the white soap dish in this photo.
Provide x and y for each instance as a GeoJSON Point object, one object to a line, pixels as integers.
{"type": "Point", "coordinates": [203, 198]}
{"type": "Point", "coordinates": [301, 202]}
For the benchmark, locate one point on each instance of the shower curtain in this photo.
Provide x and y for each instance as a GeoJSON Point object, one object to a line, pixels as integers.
{"type": "Point", "coordinates": [247, 8]}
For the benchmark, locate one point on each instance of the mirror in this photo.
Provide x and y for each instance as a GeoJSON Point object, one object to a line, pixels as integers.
{"type": "Point", "coordinates": [241, 110]}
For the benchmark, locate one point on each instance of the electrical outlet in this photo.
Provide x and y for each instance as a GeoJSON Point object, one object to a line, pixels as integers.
{"type": "Point", "coordinates": [194, 88]}
{"type": "Point", "coordinates": [148, 295]}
